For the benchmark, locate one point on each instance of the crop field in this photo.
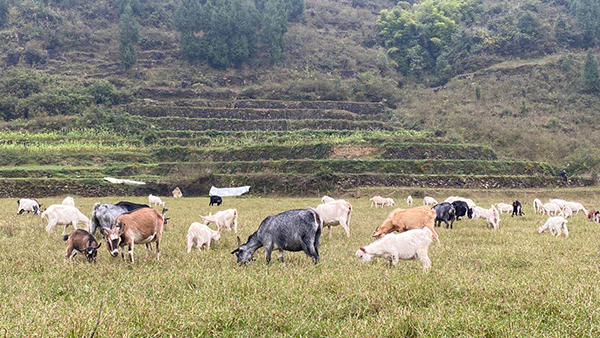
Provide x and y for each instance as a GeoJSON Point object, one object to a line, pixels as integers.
{"type": "Point", "coordinates": [509, 283]}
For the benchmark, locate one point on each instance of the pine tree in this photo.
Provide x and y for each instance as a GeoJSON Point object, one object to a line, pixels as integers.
{"type": "Point", "coordinates": [275, 25]}
{"type": "Point", "coordinates": [129, 35]}
{"type": "Point", "coordinates": [3, 11]}
{"type": "Point", "coordinates": [590, 74]}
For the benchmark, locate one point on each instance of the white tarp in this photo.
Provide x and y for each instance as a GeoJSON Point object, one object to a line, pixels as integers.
{"type": "Point", "coordinates": [224, 192]}
{"type": "Point", "coordinates": [120, 181]}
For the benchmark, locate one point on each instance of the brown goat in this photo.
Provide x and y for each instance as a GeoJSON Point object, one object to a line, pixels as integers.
{"type": "Point", "coordinates": [402, 220]}
{"type": "Point", "coordinates": [593, 216]}
{"type": "Point", "coordinates": [81, 241]}
{"type": "Point", "coordinates": [142, 226]}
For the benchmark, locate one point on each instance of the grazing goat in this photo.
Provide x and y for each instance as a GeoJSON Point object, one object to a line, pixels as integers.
{"type": "Point", "coordinates": [177, 193]}
{"type": "Point", "coordinates": [64, 215]}
{"type": "Point", "coordinates": [491, 215]}
{"type": "Point", "coordinates": [224, 218]}
{"type": "Point", "coordinates": [556, 225]}
{"type": "Point", "coordinates": [293, 230]}
{"type": "Point", "coordinates": [201, 235]}
{"type": "Point", "coordinates": [389, 202]}
{"type": "Point", "coordinates": [517, 209]}
{"type": "Point", "coordinates": [28, 205]}
{"type": "Point", "coordinates": [503, 207]}
{"type": "Point", "coordinates": [81, 241]}
{"type": "Point", "coordinates": [444, 212]}
{"type": "Point", "coordinates": [105, 215]}
{"type": "Point", "coordinates": [576, 207]}
{"type": "Point", "coordinates": [334, 213]}
{"type": "Point", "coordinates": [402, 220]}
{"type": "Point", "coordinates": [155, 200]}
{"type": "Point", "coordinates": [593, 216]}
{"type": "Point", "coordinates": [538, 208]}
{"type": "Point", "coordinates": [551, 209]}
{"type": "Point", "coordinates": [68, 201]}
{"type": "Point", "coordinates": [215, 200]}
{"type": "Point", "coordinates": [408, 245]}
{"type": "Point", "coordinates": [566, 212]}
{"type": "Point", "coordinates": [429, 201]}
{"type": "Point", "coordinates": [461, 208]}
{"type": "Point", "coordinates": [561, 203]}
{"type": "Point", "coordinates": [327, 199]}
{"type": "Point", "coordinates": [378, 200]}
{"type": "Point", "coordinates": [409, 201]}
{"type": "Point", "coordinates": [142, 226]}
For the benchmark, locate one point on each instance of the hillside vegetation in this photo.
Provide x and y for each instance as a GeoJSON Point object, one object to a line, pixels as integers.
{"type": "Point", "coordinates": [156, 82]}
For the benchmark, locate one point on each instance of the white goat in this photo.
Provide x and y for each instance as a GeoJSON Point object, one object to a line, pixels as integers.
{"type": "Point", "coordinates": [201, 235]}
{"type": "Point", "coordinates": [327, 199]}
{"type": "Point", "coordinates": [389, 202]}
{"type": "Point", "coordinates": [561, 203]}
{"type": "Point", "coordinates": [407, 245]}
{"type": "Point", "coordinates": [65, 215]}
{"type": "Point", "coordinates": [429, 201]}
{"type": "Point", "coordinates": [469, 201]}
{"type": "Point", "coordinates": [378, 200]}
{"type": "Point", "coordinates": [28, 205]}
{"type": "Point", "coordinates": [503, 207]}
{"type": "Point", "coordinates": [334, 213]}
{"type": "Point", "coordinates": [68, 201]}
{"type": "Point", "coordinates": [177, 193]}
{"type": "Point", "coordinates": [224, 218]}
{"type": "Point", "coordinates": [409, 200]}
{"type": "Point", "coordinates": [491, 215]}
{"type": "Point", "coordinates": [566, 212]}
{"type": "Point", "coordinates": [556, 225]}
{"type": "Point", "coordinates": [551, 209]}
{"type": "Point", "coordinates": [538, 208]}
{"type": "Point", "coordinates": [576, 207]}
{"type": "Point", "coordinates": [155, 200]}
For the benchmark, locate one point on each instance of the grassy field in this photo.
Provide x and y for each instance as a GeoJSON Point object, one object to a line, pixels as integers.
{"type": "Point", "coordinates": [509, 283]}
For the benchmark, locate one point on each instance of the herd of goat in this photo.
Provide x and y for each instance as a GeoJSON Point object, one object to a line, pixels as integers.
{"type": "Point", "coordinates": [405, 234]}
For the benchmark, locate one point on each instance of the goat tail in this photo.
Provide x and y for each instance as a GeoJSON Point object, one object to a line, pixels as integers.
{"type": "Point", "coordinates": [318, 219]}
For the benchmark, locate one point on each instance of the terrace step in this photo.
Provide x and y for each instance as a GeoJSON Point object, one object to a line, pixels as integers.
{"type": "Point", "coordinates": [280, 184]}
{"type": "Point", "coordinates": [317, 151]}
{"type": "Point", "coordinates": [247, 113]}
{"type": "Point", "coordinates": [189, 97]}
{"type": "Point", "coordinates": [180, 123]}
{"type": "Point", "coordinates": [405, 167]}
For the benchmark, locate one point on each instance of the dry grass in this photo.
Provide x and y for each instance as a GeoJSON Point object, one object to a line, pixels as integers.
{"type": "Point", "coordinates": [508, 283]}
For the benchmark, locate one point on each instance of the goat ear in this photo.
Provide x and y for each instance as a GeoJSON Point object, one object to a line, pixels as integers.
{"type": "Point", "coordinates": [362, 249]}
{"type": "Point", "coordinates": [239, 241]}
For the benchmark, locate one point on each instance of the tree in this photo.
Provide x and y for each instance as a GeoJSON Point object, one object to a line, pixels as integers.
{"type": "Point", "coordinates": [416, 36]}
{"type": "Point", "coordinates": [587, 14]}
{"type": "Point", "coordinates": [3, 12]}
{"type": "Point", "coordinates": [590, 74]}
{"type": "Point", "coordinates": [275, 25]}
{"type": "Point", "coordinates": [129, 36]}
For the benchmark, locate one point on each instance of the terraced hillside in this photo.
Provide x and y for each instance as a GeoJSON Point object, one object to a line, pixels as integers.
{"type": "Point", "coordinates": [274, 146]}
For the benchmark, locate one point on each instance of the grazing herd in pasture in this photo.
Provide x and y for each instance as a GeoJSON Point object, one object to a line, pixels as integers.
{"type": "Point", "coordinates": [405, 234]}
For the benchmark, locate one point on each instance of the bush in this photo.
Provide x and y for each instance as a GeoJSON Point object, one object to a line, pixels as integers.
{"type": "Point", "coordinates": [104, 92]}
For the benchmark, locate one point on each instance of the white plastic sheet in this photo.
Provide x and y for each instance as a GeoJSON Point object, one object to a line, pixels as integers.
{"type": "Point", "coordinates": [120, 181]}
{"type": "Point", "coordinates": [224, 192]}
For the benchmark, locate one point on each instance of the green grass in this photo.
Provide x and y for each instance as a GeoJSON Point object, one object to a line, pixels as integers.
{"type": "Point", "coordinates": [509, 283]}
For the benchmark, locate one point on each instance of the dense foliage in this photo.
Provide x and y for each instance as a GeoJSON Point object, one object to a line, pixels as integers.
{"type": "Point", "coordinates": [129, 36]}
{"type": "Point", "coordinates": [227, 33]}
